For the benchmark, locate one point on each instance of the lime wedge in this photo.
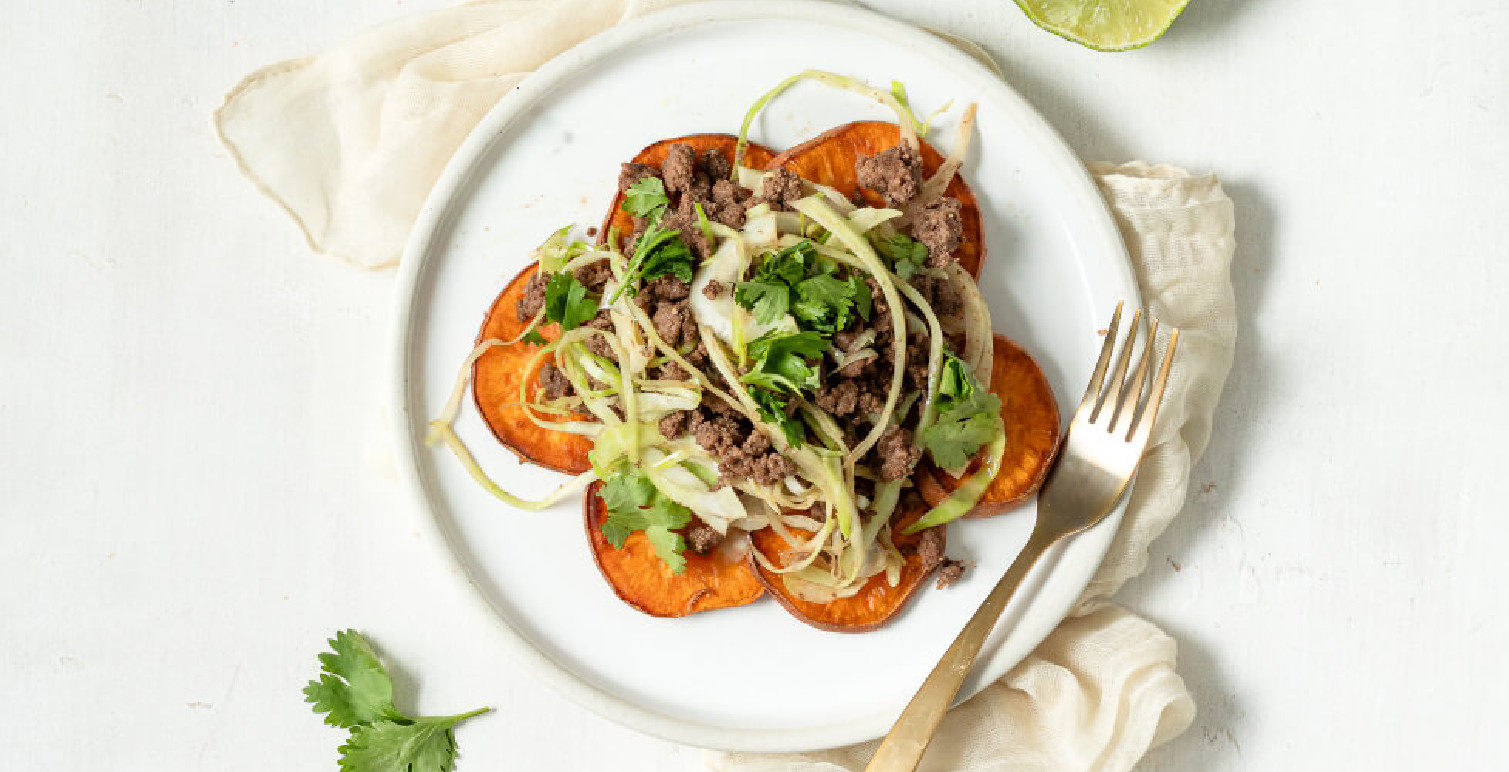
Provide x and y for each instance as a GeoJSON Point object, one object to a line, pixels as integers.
{"type": "Point", "coordinates": [1104, 25]}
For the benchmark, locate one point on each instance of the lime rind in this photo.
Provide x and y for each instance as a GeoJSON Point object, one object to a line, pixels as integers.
{"type": "Point", "coordinates": [1105, 25]}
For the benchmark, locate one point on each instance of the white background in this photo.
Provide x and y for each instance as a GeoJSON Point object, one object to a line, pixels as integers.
{"type": "Point", "coordinates": [189, 406]}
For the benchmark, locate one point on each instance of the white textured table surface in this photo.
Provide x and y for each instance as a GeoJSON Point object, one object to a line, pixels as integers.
{"type": "Point", "coordinates": [188, 399]}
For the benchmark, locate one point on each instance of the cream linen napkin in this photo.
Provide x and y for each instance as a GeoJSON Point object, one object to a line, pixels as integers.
{"type": "Point", "coordinates": [350, 141]}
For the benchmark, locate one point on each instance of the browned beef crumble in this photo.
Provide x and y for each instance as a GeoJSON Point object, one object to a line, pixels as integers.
{"type": "Point", "coordinates": [950, 571]}
{"type": "Point", "coordinates": [742, 450]}
{"type": "Point", "coordinates": [940, 228]}
{"type": "Point", "coordinates": [896, 174]}
{"type": "Point", "coordinates": [553, 382]}
{"type": "Point", "coordinates": [897, 454]}
{"type": "Point", "coordinates": [597, 344]}
{"type": "Point", "coordinates": [534, 296]}
{"type": "Point", "coordinates": [679, 168]}
{"type": "Point", "coordinates": [715, 164]}
{"type": "Point", "coordinates": [631, 173]}
{"type": "Point", "coordinates": [728, 203]}
{"type": "Point", "coordinates": [594, 275]}
{"type": "Point", "coordinates": [673, 425]}
{"type": "Point", "coordinates": [672, 371]}
{"type": "Point", "coordinates": [713, 290]}
{"type": "Point", "coordinates": [702, 538]}
{"type": "Point", "coordinates": [781, 187]}
{"type": "Point", "coordinates": [939, 293]}
{"type": "Point", "coordinates": [930, 549]}
{"type": "Point", "coordinates": [684, 220]}
{"type": "Point", "coordinates": [840, 399]}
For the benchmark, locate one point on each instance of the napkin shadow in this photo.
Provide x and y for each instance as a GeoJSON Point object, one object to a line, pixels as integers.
{"type": "Point", "coordinates": [1215, 482]}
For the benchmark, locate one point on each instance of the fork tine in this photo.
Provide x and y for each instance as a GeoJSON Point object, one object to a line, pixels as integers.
{"type": "Point", "coordinates": [1113, 387]}
{"type": "Point", "coordinates": [1143, 427]}
{"type": "Point", "coordinates": [1137, 384]}
{"type": "Point", "coordinates": [1106, 348]}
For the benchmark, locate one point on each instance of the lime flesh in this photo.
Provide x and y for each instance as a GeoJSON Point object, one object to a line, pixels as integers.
{"type": "Point", "coordinates": [1104, 25]}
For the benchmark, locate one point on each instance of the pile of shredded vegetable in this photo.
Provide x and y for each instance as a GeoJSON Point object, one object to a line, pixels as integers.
{"type": "Point", "coordinates": [834, 504]}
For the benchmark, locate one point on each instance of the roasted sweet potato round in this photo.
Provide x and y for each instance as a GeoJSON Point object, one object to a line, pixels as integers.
{"type": "Point", "coordinates": [495, 387]}
{"type": "Point", "coordinates": [829, 159]}
{"type": "Point", "coordinates": [641, 580]}
{"type": "Point", "coordinates": [877, 602]}
{"type": "Point", "coordinates": [1030, 414]}
{"type": "Point", "coordinates": [755, 157]}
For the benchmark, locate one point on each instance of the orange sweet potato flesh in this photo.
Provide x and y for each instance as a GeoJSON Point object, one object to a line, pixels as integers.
{"type": "Point", "coordinates": [875, 604]}
{"type": "Point", "coordinates": [755, 157]}
{"type": "Point", "coordinates": [641, 580]}
{"type": "Point", "coordinates": [829, 159]}
{"type": "Point", "coordinates": [1030, 415]}
{"type": "Point", "coordinates": [495, 387]}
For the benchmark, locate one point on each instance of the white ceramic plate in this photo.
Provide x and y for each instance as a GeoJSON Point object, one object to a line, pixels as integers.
{"type": "Point", "coordinates": [753, 677]}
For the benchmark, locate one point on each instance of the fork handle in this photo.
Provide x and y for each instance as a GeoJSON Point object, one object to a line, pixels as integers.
{"type": "Point", "coordinates": [903, 746]}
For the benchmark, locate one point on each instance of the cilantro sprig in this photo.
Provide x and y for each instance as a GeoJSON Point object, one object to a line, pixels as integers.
{"type": "Point", "coordinates": [635, 504]}
{"type": "Point", "coordinates": [646, 198]}
{"type": "Point", "coordinates": [905, 255]}
{"type": "Point", "coordinates": [798, 281]}
{"type": "Point", "coordinates": [659, 252]}
{"type": "Point", "coordinates": [968, 417]}
{"type": "Point", "coordinates": [355, 692]}
{"type": "Point", "coordinates": [781, 371]}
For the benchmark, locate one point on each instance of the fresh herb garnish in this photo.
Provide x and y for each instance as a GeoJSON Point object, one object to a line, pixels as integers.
{"type": "Point", "coordinates": [968, 417]}
{"type": "Point", "coordinates": [659, 252]}
{"type": "Point", "coordinates": [567, 301]}
{"type": "Point", "coordinates": [646, 198]}
{"type": "Point", "coordinates": [355, 692]}
{"type": "Point", "coordinates": [781, 371]}
{"type": "Point", "coordinates": [905, 255]}
{"type": "Point", "coordinates": [635, 504]}
{"type": "Point", "coordinates": [798, 281]}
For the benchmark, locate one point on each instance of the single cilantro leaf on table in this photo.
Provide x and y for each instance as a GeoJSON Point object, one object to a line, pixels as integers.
{"type": "Point", "coordinates": [635, 504]}
{"type": "Point", "coordinates": [418, 745]}
{"type": "Point", "coordinates": [354, 691]}
{"type": "Point", "coordinates": [646, 197]}
{"type": "Point", "coordinates": [353, 688]}
{"type": "Point", "coordinates": [567, 301]}
{"type": "Point", "coordinates": [906, 255]}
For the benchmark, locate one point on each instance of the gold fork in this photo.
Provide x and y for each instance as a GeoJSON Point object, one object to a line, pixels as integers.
{"type": "Point", "coordinates": [1105, 441]}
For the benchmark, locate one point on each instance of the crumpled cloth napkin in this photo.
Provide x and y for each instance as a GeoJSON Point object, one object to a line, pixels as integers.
{"type": "Point", "coordinates": [350, 141]}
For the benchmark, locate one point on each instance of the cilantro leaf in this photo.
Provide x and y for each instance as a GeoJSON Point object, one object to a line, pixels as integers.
{"type": "Point", "coordinates": [781, 360]}
{"type": "Point", "coordinates": [353, 688]}
{"type": "Point", "coordinates": [659, 252]}
{"type": "Point", "coordinates": [417, 745]}
{"type": "Point", "coordinates": [646, 197]}
{"type": "Point", "coordinates": [776, 344]}
{"type": "Point", "coordinates": [968, 417]}
{"type": "Point", "coordinates": [824, 303]}
{"type": "Point", "coordinates": [635, 504]}
{"type": "Point", "coordinates": [354, 691]}
{"type": "Point", "coordinates": [534, 338]}
{"type": "Point", "coordinates": [773, 410]}
{"type": "Point", "coordinates": [568, 302]}
{"type": "Point", "coordinates": [768, 301]}
{"type": "Point", "coordinates": [905, 255]}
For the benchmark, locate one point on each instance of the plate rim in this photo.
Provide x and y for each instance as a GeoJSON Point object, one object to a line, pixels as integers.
{"type": "Point", "coordinates": [454, 183]}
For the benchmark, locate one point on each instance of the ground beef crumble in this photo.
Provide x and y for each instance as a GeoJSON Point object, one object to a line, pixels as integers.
{"type": "Point", "coordinates": [553, 382]}
{"type": "Point", "coordinates": [534, 296]}
{"type": "Point", "coordinates": [896, 174]}
{"type": "Point", "coordinates": [940, 228]}
{"type": "Point", "coordinates": [897, 456]}
{"type": "Point", "coordinates": [950, 571]}
{"type": "Point", "coordinates": [702, 538]}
